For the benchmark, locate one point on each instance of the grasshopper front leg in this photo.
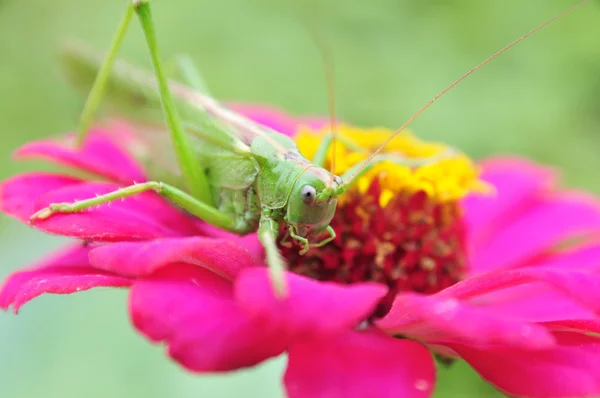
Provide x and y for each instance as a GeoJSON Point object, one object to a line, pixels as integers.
{"type": "Point", "coordinates": [268, 231]}
{"type": "Point", "coordinates": [307, 245]}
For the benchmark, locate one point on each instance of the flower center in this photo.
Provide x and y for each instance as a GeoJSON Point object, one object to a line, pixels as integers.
{"type": "Point", "coordinates": [400, 223]}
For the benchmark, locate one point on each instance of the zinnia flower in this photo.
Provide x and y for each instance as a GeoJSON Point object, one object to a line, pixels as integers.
{"type": "Point", "coordinates": [422, 265]}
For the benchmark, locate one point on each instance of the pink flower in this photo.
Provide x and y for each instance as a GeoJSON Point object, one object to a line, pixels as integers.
{"type": "Point", "coordinates": [524, 313]}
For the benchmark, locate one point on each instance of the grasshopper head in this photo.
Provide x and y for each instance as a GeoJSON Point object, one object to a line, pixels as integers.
{"type": "Point", "coordinates": [312, 202]}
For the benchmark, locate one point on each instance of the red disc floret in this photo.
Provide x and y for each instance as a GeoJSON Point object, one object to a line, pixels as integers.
{"type": "Point", "coordinates": [414, 243]}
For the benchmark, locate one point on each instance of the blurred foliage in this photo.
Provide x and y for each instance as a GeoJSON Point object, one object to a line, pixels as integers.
{"type": "Point", "coordinates": [541, 100]}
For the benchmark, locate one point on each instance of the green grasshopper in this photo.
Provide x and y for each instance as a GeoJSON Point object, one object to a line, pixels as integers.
{"type": "Point", "coordinates": [238, 175]}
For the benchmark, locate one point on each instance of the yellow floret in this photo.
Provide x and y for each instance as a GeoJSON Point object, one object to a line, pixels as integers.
{"type": "Point", "coordinates": [444, 174]}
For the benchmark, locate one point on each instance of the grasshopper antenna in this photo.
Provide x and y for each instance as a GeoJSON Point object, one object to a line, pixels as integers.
{"type": "Point", "coordinates": [316, 34]}
{"type": "Point", "coordinates": [460, 79]}
{"type": "Point", "coordinates": [328, 67]}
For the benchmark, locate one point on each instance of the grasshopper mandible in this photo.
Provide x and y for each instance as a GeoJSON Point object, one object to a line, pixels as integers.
{"type": "Point", "coordinates": [238, 175]}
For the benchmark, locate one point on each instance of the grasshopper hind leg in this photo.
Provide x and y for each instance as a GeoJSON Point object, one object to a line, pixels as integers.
{"type": "Point", "coordinates": [193, 174]}
{"type": "Point", "coordinates": [180, 198]}
{"type": "Point", "coordinates": [101, 82]}
{"type": "Point", "coordinates": [268, 228]}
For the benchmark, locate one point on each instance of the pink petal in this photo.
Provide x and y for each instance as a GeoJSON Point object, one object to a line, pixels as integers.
{"type": "Point", "coordinates": [442, 320]}
{"type": "Point", "coordinates": [359, 364]}
{"type": "Point", "coordinates": [499, 308]}
{"type": "Point", "coordinates": [99, 155]}
{"type": "Point", "coordinates": [64, 273]}
{"type": "Point", "coordinates": [518, 182]}
{"type": "Point", "coordinates": [277, 119]}
{"type": "Point", "coordinates": [589, 326]}
{"type": "Point", "coordinates": [582, 287]}
{"type": "Point", "coordinates": [533, 302]}
{"type": "Point", "coordinates": [544, 225]}
{"type": "Point", "coordinates": [193, 312]}
{"type": "Point", "coordinates": [18, 194]}
{"type": "Point", "coordinates": [540, 302]}
{"type": "Point", "coordinates": [141, 259]}
{"type": "Point", "coordinates": [569, 370]}
{"type": "Point", "coordinates": [249, 242]}
{"type": "Point", "coordinates": [139, 217]}
{"type": "Point", "coordinates": [310, 307]}
{"type": "Point", "coordinates": [582, 258]}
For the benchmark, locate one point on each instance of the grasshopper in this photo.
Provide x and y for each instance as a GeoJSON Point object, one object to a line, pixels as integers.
{"type": "Point", "coordinates": [237, 175]}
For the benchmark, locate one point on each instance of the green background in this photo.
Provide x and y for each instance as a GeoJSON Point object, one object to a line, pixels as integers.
{"type": "Point", "coordinates": [541, 99]}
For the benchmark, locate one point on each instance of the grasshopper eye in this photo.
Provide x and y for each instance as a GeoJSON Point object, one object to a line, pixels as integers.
{"type": "Point", "coordinates": [338, 180]}
{"type": "Point", "coordinates": [309, 194]}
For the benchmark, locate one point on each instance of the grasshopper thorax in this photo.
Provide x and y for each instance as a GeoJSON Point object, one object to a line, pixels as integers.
{"type": "Point", "coordinates": [313, 201]}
